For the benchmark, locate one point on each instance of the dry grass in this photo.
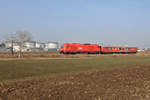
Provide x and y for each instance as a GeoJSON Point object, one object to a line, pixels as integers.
{"type": "Point", "coordinates": [57, 55]}
{"type": "Point", "coordinates": [27, 67]}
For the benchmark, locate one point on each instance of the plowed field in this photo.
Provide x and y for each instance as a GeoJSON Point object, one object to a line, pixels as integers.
{"type": "Point", "coordinates": [117, 84]}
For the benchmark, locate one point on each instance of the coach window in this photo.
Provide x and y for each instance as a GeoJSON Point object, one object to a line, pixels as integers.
{"type": "Point", "coordinates": [122, 48]}
{"type": "Point", "coordinates": [109, 48]}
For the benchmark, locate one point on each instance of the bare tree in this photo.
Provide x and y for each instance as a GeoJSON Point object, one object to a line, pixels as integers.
{"type": "Point", "coordinates": [20, 37]}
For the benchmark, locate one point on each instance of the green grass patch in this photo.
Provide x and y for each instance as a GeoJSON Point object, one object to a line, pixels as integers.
{"type": "Point", "coordinates": [31, 68]}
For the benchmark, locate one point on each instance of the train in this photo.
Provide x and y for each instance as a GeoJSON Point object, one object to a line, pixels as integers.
{"type": "Point", "coordinates": [77, 48]}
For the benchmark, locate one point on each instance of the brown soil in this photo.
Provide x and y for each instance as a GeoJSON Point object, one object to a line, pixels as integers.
{"type": "Point", "coordinates": [117, 84]}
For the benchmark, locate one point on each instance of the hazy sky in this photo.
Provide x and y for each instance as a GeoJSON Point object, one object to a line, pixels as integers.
{"type": "Point", "coordinates": [111, 22]}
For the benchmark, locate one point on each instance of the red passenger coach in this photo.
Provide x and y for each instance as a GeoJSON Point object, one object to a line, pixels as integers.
{"type": "Point", "coordinates": [70, 48]}
{"type": "Point", "coordinates": [123, 50]}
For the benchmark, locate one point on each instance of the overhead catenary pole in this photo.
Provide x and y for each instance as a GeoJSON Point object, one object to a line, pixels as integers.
{"type": "Point", "coordinates": [12, 48]}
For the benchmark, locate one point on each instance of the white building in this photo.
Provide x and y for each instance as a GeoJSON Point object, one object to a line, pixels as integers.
{"type": "Point", "coordinates": [16, 48]}
{"type": "Point", "coordinates": [26, 47]}
{"type": "Point", "coordinates": [51, 46]}
{"type": "Point", "coordinates": [29, 45]}
{"type": "Point", "coordinates": [40, 45]}
{"type": "Point", "coordinates": [32, 46]}
{"type": "Point", "coordinates": [8, 45]}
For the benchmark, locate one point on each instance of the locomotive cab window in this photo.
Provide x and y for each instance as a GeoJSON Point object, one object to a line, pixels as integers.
{"type": "Point", "coordinates": [67, 46]}
{"type": "Point", "coordinates": [99, 46]}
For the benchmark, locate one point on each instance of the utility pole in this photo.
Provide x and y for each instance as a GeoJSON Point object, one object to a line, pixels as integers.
{"type": "Point", "coordinates": [12, 48]}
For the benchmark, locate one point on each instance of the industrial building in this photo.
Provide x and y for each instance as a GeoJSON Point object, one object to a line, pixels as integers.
{"type": "Point", "coordinates": [51, 46]}
{"type": "Point", "coordinates": [29, 46]}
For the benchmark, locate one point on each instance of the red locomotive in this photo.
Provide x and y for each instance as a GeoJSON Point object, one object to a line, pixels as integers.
{"type": "Point", "coordinates": [69, 48]}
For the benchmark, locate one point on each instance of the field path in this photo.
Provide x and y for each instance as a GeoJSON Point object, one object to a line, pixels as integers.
{"type": "Point", "coordinates": [117, 84]}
